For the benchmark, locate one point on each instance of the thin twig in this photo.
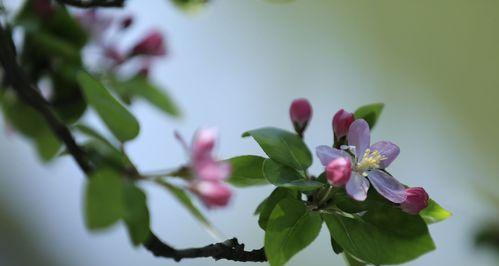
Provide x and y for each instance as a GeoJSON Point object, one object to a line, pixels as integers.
{"type": "Point", "coordinates": [93, 3]}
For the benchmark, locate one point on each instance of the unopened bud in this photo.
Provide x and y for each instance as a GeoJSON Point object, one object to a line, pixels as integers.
{"type": "Point", "coordinates": [417, 200]}
{"type": "Point", "coordinates": [151, 45]}
{"type": "Point", "coordinates": [341, 123]}
{"type": "Point", "coordinates": [126, 22]}
{"type": "Point", "coordinates": [300, 112]}
{"type": "Point", "coordinates": [338, 171]}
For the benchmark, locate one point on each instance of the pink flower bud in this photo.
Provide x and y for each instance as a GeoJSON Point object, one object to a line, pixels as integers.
{"type": "Point", "coordinates": [43, 8]}
{"type": "Point", "coordinates": [417, 200]}
{"type": "Point", "coordinates": [204, 141]}
{"type": "Point", "coordinates": [126, 22]}
{"type": "Point", "coordinates": [338, 171]}
{"type": "Point", "coordinates": [151, 45]}
{"type": "Point", "coordinates": [212, 194]}
{"type": "Point", "coordinates": [341, 123]}
{"type": "Point", "coordinates": [300, 112]}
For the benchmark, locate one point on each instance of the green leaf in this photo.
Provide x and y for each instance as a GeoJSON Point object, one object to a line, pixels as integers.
{"type": "Point", "coordinates": [140, 86]}
{"type": "Point", "coordinates": [136, 214]}
{"type": "Point", "coordinates": [117, 118]}
{"type": "Point", "coordinates": [31, 124]}
{"type": "Point", "coordinates": [291, 228]}
{"type": "Point", "coordinates": [283, 176]}
{"type": "Point", "coordinates": [52, 45]}
{"type": "Point", "coordinates": [282, 146]}
{"type": "Point", "coordinates": [103, 199]}
{"type": "Point", "coordinates": [94, 134]}
{"type": "Point", "coordinates": [268, 205]}
{"type": "Point", "coordinates": [185, 200]}
{"type": "Point", "coordinates": [190, 6]}
{"type": "Point", "coordinates": [47, 145]}
{"type": "Point", "coordinates": [351, 261]}
{"type": "Point", "coordinates": [345, 203]}
{"type": "Point", "coordinates": [247, 171]}
{"type": "Point", "coordinates": [336, 247]}
{"type": "Point", "coordinates": [434, 213]}
{"type": "Point", "coordinates": [385, 235]}
{"type": "Point", "coordinates": [370, 113]}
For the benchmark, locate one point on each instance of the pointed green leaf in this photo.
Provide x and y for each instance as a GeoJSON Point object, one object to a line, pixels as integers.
{"type": "Point", "coordinates": [370, 113]}
{"type": "Point", "coordinates": [136, 214]}
{"type": "Point", "coordinates": [382, 236]}
{"type": "Point", "coordinates": [103, 199]}
{"type": "Point", "coordinates": [434, 213]}
{"type": "Point", "coordinates": [268, 205]}
{"type": "Point", "coordinates": [283, 176]}
{"type": "Point", "coordinates": [247, 171]}
{"type": "Point", "coordinates": [290, 229]}
{"type": "Point", "coordinates": [117, 118]}
{"type": "Point", "coordinates": [351, 261]}
{"type": "Point", "coordinates": [141, 87]}
{"type": "Point", "coordinates": [283, 147]}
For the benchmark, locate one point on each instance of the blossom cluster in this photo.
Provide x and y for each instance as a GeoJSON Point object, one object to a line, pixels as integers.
{"type": "Point", "coordinates": [357, 165]}
{"type": "Point", "coordinates": [98, 25]}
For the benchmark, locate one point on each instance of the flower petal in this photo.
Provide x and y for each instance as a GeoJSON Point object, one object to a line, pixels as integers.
{"type": "Point", "coordinates": [387, 186]}
{"type": "Point", "coordinates": [359, 136]}
{"type": "Point", "coordinates": [357, 187]}
{"type": "Point", "coordinates": [327, 154]}
{"type": "Point", "coordinates": [387, 149]}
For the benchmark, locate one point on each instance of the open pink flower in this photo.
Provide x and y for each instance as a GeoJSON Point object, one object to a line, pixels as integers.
{"type": "Point", "coordinates": [208, 173]}
{"type": "Point", "coordinates": [368, 164]}
{"type": "Point", "coordinates": [95, 23]}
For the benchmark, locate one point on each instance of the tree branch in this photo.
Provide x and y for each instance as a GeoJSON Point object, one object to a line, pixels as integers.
{"type": "Point", "coordinates": [93, 3]}
{"type": "Point", "coordinates": [27, 92]}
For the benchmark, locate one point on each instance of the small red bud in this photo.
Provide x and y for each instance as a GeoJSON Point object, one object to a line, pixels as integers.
{"type": "Point", "coordinates": [300, 112]}
{"type": "Point", "coordinates": [341, 123]}
{"type": "Point", "coordinates": [43, 8]}
{"type": "Point", "coordinates": [417, 200]}
{"type": "Point", "coordinates": [126, 22]}
{"type": "Point", "coordinates": [150, 45]}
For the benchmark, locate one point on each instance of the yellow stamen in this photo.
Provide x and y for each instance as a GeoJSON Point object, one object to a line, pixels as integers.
{"type": "Point", "coordinates": [370, 160]}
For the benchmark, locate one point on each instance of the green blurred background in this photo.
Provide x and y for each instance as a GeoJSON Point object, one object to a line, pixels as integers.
{"type": "Point", "coordinates": [237, 65]}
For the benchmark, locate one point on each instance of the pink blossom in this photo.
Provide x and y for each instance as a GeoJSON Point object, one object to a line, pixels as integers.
{"type": "Point", "coordinates": [208, 173]}
{"type": "Point", "coordinates": [417, 200]}
{"type": "Point", "coordinates": [95, 23]}
{"type": "Point", "coordinates": [300, 113]}
{"type": "Point", "coordinates": [341, 123]}
{"type": "Point", "coordinates": [212, 194]}
{"type": "Point", "coordinates": [150, 45]}
{"type": "Point", "coordinates": [368, 164]}
{"type": "Point", "coordinates": [338, 171]}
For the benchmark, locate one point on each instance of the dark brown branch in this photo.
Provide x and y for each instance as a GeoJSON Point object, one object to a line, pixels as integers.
{"type": "Point", "coordinates": [230, 250]}
{"type": "Point", "coordinates": [21, 84]}
{"type": "Point", "coordinates": [93, 3]}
